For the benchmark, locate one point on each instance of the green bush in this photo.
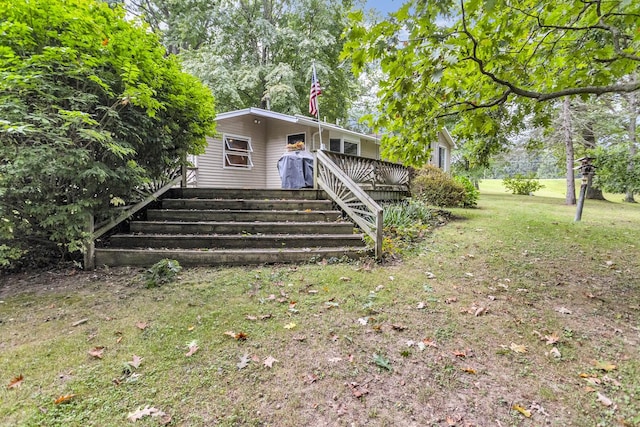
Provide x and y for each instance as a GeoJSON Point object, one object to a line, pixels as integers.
{"type": "Point", "coordinates": [471, 193]}
{"type": "Point", "coordinates": [522, 185]}
{"type": "Point", "coordinates": [435, 187]}
{"type": "Point", "coordinates": [162, 272]}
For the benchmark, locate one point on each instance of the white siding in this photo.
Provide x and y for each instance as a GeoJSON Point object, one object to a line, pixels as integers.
{"type": "Point", "coordinates": [277, 146]}
{"type": "Point", "coordinates": [211, 172]}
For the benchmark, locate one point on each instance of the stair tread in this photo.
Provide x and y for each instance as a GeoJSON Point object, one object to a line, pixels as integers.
{"type": "Point", "coordinates": [266, 223]}
{"type": "Point", "coordinates": [240, 251]}
{"type": "Point", "coordinates": [224, 235]}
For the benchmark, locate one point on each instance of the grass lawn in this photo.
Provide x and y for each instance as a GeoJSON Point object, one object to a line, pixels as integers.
{"type": "Point", "coordinates": [509, 315]}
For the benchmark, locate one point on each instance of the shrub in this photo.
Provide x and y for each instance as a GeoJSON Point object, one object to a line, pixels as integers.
{"type": "Point", "coordinates": [434, 186]}
{"type": "Point", "coordinates": [522, 185]}
{"type": "Point", "coordinates": [471, 193]}
{"type": "Point", "coordinates": [162, 272]}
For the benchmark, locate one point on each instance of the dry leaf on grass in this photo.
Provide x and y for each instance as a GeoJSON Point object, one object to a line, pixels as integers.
{"type": "Point", "coordinates": [345, 279]}
{"type": "Point", "coordinates": [563, 310]}
{"type": "Point", "coordinates": [518, 348]}
{"type": "Point", "coordinates": [96, 352]}
{"type": "Point", "coordinates": [555, 353]}
{"type": "Point", "coordinates": [16, 381]}
{"type": "Point", "coordinates": [269, 361]}
{"type": "Point", "coordinates": [64, 399]}
{"type": "Point", "coordinates": [469, 370]}
{"type": "Point", "coordinates": [135, 362]}
{"type": "Point", "coordinates": [523, 411]}
{"type": "Point", "coordinates": [146, 412]}
{"type": "Point", "coordinates": [244, 361]}
{"type": "Point", "coordinates": [551, 339]}
{"type": "Point", "coordinates": [193, 348]}
{"type": "Point", "coordinates": [604, 366]}
{"type": "Point", "coordinates": [240, 336]}
{"type": "Point", "coordinates": [142, 325]}
{"type": "Point", "coordinates": [358, 390]}
{"type": "Point", "coordinates": [290, 325]}
{"type": "Point", "coordinates": [604, 399]}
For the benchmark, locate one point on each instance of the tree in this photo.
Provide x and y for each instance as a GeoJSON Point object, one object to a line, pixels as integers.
{"type": "Point", "coordinates": [91, 109]}
{"type": "Point", "coordinates": [259, 53]}
{"type": "Point", "coordinates": [491, 64]}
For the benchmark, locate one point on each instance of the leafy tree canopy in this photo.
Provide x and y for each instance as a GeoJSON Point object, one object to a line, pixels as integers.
{"type": "Point", "coordinates": [91, 109]}
{"type": "Point", "coordinates": [491, 63]}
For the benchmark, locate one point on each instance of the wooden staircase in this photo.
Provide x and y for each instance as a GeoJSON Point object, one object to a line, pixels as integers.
{"type": "Point", "coordinates": [206, 227]}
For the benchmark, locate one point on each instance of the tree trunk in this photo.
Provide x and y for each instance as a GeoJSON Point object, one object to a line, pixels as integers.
{"type": "Point", "coordinates": [568, 142]}
{"type": "Point", "coordinates": [633, 148]}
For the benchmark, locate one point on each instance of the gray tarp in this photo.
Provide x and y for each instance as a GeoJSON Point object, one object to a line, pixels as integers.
{"type": "Point", "coordinates": [296, 169]}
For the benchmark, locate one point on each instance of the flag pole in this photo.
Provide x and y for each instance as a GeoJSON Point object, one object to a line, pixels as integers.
{"type": "Point", "coordinates": [315, 85]}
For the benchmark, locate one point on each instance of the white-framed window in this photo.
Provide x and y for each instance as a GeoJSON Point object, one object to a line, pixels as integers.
{"type": "Point", "coordinates": [442, 157]}
{"type": "Point", "coordinates": [236, 151]}
{"type": "Point", "coordinates": [340, 145]}
{"type": "Point", "coordinates": [296, 137]}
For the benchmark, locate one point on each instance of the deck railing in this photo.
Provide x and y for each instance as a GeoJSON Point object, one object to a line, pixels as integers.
{"type": "Point", "coordinates": [339, 179]}
{"type": "Point", "coordinates": [376, 173]}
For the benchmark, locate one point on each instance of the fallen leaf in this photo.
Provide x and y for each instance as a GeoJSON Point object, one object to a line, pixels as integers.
{"type": "Point", "coordinates": [480, 311]}
{"type": "Point", "coordinates": [608, 379]}
{"type": "Point", "coordinates": [16, 381]}
{"type": "Point", "coordinates": [398, 327]}
{"type": "Point", "coordinates": [290, 325]}
{"type": "Point", "coordinates": [119, 339]}
{"type": "Point", "coordinates": [269, 361]}
{"type": "Point", "coordinates": [80, 322]}
{"type": "Point", "coordinates": [469, 370]}
{"type": "Point", "coordinates": [363, 320]}
{"type": "Point", "coordinates": [191, 328]}
{"type": "Point", "coordinates": [450, 300]}
{"type": "Point", "coordinates": [311, 378]}
{"type": "Point", "coordinates": [141, 325]}
{"type": "Point", "coordinates": [249, 317]}
{"type": "Point", "coordinates": [300, 337]}
{"type": "Point", "coordinates": [421, 306]}
{"type": "Point", "coordinates": [518, 348]}
{"type": "Point", "coordinates": [145, 412]}
{"type": "Point", "coordinates": [604, 366]}
{"type": "Point", "coordinates": [552, 339]}
{"type": "Point", "coordinates": [96, 352]}
{"type": "Point", "coordinates": [345, 279]}
{"type": "Point", "coordinates": [193, 347]}
{"type": "Point", "coordinates": [522, 410]}
{"type": "Point", "coordinates": [563, 310]}
{"type": "Point", "coordinates": [255, 358]}
{"type": "Point", "coordinates": [240, 336]}
{"type": "Point", "coordinates": [135, 362]}
{"type": "Point", "coordinates": [430, 343]}
{"type": "Point", "coordinates": [64, 399]}
{"type": "Point", "coordinates": [589, 389]}
{"type": "Point", "coordinates": [334, 359]}
{"type": "Point", "coordinates": [593, 380]}
{"type": "Point", "coordinates": [357, 390]}
{"type": "Point", "coordinates": [382, 362]}
{"type": "Point", "coordinates": [265, 317]}
{"type": "Point", "coordinates": [244, 361]}
{"type": "Point", "coordinates": [460, 354]}
{"type": "Point", "coordinates": [555, 353]}
{"type": "Point", "coordinates": [604, 399]}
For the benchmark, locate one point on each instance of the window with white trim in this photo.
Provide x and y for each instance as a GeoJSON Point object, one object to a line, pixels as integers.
{"type": "Point", "coordinates": [340, 145]}
{"type": "Point", "coordinates": [442, 158]}
{"type": "Point", "coordinates": [236, 151]}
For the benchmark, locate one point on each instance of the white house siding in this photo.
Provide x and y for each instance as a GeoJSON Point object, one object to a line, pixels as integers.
{"type": "Point", "coordinates": [369, 149]}
{"type": "Point", "coordinates": [276, 143]}
{"type": "Point", "coordinates": [211, 172]}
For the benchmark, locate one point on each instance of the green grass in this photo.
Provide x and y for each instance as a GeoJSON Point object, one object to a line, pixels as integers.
{"type": "Point", "coordinates": [520, 258]}
{"type": "Point", "coordinates": [554, 188]}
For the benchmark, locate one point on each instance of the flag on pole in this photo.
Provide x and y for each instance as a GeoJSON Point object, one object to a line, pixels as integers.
{"type": "Point", "coordinates": [314, 93]}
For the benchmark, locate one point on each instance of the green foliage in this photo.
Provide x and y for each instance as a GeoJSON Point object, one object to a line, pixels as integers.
{"type": "Point", "coordinates": [162, 272]}
{"type": "Point", "coordinates": [91, 108]}
{"type": "Point", "coordinates": [434, 186]}
{"type": "Point", "coordinates": [617, 170]}
{"type": "Point", "coordinates": [522, 185]}
{"type": "Point", "coordinates": [471, 193]}
{"type": "Point", "coordinates": [489, 64]}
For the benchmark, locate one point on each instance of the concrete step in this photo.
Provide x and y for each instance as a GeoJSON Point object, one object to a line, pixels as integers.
{"type": "Point", "coordinates": [241, 215]}
{"type": "Point", "coordinates": [244, 193]}
{"type": "Point", "coordinates": [201, 241]}
{"type": "Point", "coordinates": [148, 257]}
{"type": "Point", "coordinates": [247, 204]}
{"type": "Point", "coordinates": [231, 227]}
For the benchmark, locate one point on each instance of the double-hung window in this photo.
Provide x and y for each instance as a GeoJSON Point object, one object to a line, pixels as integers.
{"type": "Point", "coordinates": [237, 151]}
{"type": "Point", "coordinates": [340, 145]}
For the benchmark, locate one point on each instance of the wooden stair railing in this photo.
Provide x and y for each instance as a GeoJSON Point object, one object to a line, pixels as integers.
{"type": "Point", "coordinates": [353, 200]}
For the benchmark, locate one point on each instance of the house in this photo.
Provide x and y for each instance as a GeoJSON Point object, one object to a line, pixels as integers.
{"type": "Point", "coordinates": [249, 143]}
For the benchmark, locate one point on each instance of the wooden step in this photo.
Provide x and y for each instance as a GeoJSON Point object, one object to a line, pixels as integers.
{"type": "Point", "coordinates": [148, 257]}
{"type": "Point", "coordinates": [245, 193]}
{"type": "Point", "coordinates": [241, 215]}
{"type": "Point", "coordinates": [200, 241]}
{"type": "Point", "coordinates": [231, 227]}
{"type": "Point", "coordinates": [247, 204]}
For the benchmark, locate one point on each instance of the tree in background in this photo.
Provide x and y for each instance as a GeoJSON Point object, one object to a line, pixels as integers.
{"type": "Point", "coordinates": [91, 108]}
{"type": "Point", "coordinates": [258, 53]}
{"type": "Point", "coordinates": [491, 64]}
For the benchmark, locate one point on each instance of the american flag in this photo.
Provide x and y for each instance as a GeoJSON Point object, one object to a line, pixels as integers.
{"type": "Point", "coordinates": [313, 94]}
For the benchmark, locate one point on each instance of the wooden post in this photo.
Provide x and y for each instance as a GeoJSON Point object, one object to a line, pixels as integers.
{"type": "Point", "coordinates": [183, 171]}
{"type": "Point", "coordinates": [90, 245]}
{"type": "Point", "coordinates": [583, 194]}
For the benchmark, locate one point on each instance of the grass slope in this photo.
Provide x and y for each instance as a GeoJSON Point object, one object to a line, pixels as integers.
{"type": "Point", "coordinates": [463, 333]}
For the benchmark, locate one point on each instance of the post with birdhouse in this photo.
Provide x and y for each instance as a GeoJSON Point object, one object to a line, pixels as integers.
{"type": "Point", "coordinates": [588, 171]}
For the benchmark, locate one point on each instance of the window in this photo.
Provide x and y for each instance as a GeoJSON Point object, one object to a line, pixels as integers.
{"type": "Point", "coordinates": [442, 158]}
{"type": "Point", "coordinates": [237, 152]}
{"type": "Point", "coordinates": [293, 138]}
{"type": "Point", "coordinates": [339, 145]}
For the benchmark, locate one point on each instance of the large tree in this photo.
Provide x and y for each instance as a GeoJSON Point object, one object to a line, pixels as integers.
{"type": "Point", "coordinates": [491, 63]}
{"type": "Point", "coordinates": [259, 52]}
{"type": "Point", "coordinates": [91, 108]}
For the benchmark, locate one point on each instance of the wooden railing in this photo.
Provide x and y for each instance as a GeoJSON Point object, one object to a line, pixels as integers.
{"type": "Point", "coordinates": [345, 191]}
{"type": "Point", "coordinates": [377, 173]}
{"type": "Point", "coordinates": [142, 196]}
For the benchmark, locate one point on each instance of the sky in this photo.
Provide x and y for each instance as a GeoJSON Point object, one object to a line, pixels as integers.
{"type": "Point", "coordinates": [385, 6]}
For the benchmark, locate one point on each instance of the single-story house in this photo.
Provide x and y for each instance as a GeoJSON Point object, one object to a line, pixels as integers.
{"type": "Point", "coordinates": [249, 143]}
